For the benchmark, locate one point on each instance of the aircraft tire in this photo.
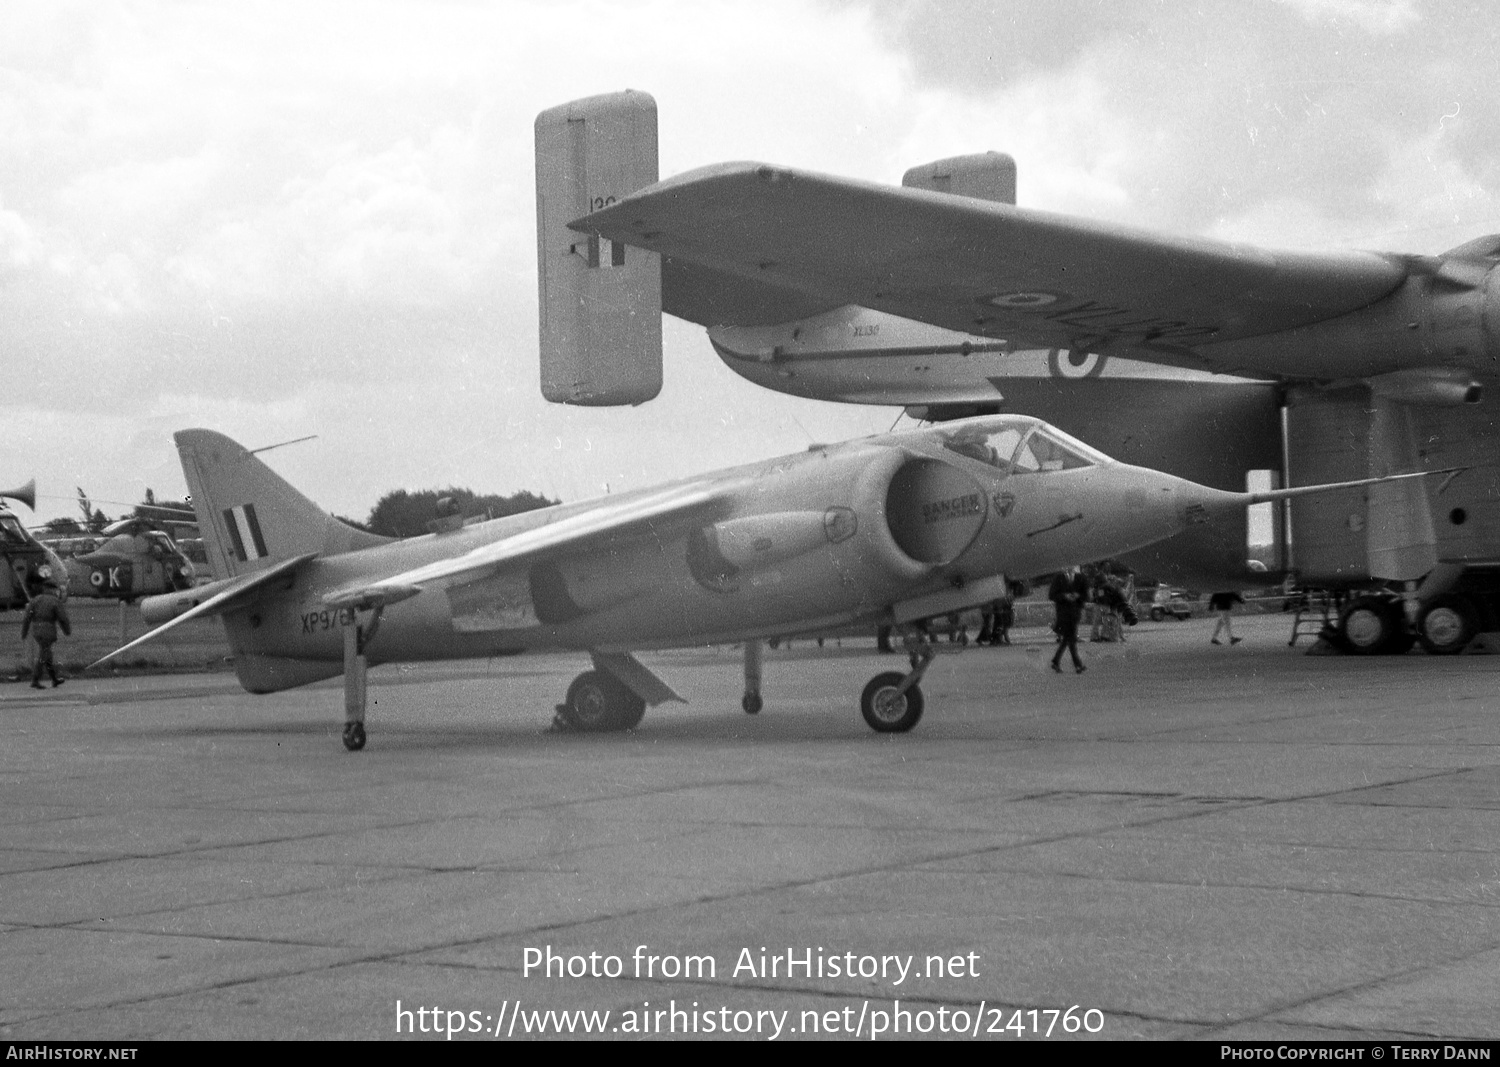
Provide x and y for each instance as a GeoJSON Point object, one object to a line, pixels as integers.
{"type": "Point", "coordinates": [885, 710]}
{"type": "Point", "coordinates": [1372, 626]}
{"type": "Point", "coordinates": [354, 736]}
{"type": "Point", "coordinates": [630, 711]}
{"type": "Point", "coordinates": [752, 703]}
{"type": "Point", "coordinates": [1447, 625]}
{"type": "Point", "coordinates": [598, 703]}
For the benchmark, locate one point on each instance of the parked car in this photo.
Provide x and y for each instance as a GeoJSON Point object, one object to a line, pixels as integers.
{"type": "Point", "coordinates": [1167, 601]}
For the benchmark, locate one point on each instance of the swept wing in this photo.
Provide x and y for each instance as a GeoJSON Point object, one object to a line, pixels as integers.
{"type": "Point", "coordinates": [975, 266]}
{"type": "Point", "coordinates": [652, 511]}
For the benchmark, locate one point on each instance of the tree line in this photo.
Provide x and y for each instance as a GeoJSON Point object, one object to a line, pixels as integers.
{"type": "Point", "coordinates": [399, 513]}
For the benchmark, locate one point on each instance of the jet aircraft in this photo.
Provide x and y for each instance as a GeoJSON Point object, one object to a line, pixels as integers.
{"type": "Point", "coordinates": [1200, 357]}
{"type": "Point", "coordinates": [886, 530]}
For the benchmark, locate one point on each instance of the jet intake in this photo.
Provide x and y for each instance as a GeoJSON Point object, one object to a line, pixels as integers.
{"type": "Point", "coordinates": [1430, 386]}
{"type": "Point", "coordinates": [934, 511]}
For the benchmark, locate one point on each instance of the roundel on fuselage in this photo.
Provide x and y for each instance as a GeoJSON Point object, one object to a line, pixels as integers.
{"type": "Point", "coordinates": [934, 510]}
{"type": "Point", "coordinates": [1065, 363]}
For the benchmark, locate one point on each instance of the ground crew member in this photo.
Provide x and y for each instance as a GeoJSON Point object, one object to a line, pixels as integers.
{"type": "Point", "coordinates": [42, 618]}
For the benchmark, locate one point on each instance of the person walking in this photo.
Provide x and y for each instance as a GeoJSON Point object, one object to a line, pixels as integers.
{"type": "Point", "coordinates": [1223, 604]}
{"type": "Point", "coordinates": [1069, 591]}
{"type": "Point", "coordinates": [43, 617]}
{"type": "Point", "coordinates": [1005, 618]}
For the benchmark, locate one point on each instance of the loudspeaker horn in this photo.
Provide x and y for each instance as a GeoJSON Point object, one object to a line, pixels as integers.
{"type": "Point", "coordinates": [26, 494]}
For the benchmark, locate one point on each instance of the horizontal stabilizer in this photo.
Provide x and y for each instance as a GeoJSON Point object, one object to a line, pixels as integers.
{"type": "Point", "coordinates": [234, 594]}
{"type": "Point", "coordinates": [600, 300]}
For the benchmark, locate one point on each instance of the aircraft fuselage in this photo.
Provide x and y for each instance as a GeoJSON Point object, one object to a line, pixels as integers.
{"type": "Point", "coordinates": [815, 539]}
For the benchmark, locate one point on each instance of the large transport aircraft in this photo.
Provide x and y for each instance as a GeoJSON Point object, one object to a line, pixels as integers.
{"type": "Point", "coordinates": [1219, 362]}
{"type": "Point", "coordinates": [886, 530]}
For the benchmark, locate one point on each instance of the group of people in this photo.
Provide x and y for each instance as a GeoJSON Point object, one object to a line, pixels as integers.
{"type": "Point", "coordinates": [995, 621]}
{"type": "Point", "coordinates": [1104, 595]}
{"type": "Point", "coordinates": [1071, 591]}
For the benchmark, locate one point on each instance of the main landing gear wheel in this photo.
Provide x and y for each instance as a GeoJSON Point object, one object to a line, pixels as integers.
{"type": "Point", "coordinates": [886, 708]}
{"type": "Point", "coordinates": [1373, 626]}
{"type": "Point", "coordinates": [598, 703]}
{"type": "Point", "coordinates": [354, 736]}
{"type": "Point", "coordinates": [1447, 625]}
{"type": "Point", "coordinates": [752, 703]}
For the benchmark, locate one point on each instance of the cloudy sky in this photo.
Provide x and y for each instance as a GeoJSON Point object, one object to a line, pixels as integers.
{"type": "Point", "coordinates": [281, 219]}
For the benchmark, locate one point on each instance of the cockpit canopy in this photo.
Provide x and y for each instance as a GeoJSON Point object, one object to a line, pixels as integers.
{"type": "Point", "coordinates": [12, 532]}
{"type": "Point", "coordinates": [160, 543]}
{"type": "Point", "coordinates": [1020, 446]}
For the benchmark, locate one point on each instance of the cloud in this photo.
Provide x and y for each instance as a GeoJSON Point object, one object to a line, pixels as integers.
{"type": "Point", "coordinates": [1373, 16]}
{"type": "Point", "coordinates": [295, 218]}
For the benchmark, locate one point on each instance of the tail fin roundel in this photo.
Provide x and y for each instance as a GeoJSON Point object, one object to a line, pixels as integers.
{"type": "Point", "coordinates": [250, 517]}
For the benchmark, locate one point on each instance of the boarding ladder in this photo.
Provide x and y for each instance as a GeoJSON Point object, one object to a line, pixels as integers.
{"type": "Point", "coordinates": [1317, 613]}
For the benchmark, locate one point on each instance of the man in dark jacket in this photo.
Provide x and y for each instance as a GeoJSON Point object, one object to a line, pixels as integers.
{"type": "Point", "coordinates": [1069, 591]}
{"type": "Point", "coordinates": [43, 617]}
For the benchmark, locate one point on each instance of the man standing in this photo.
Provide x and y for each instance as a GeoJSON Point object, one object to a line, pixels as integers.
{"type": "Point", "coordinates": [1224, 603]}
{"type": "Point", "coordinates": [1069, 591]}
{"type": "Point", "coordinates": [43, 616]}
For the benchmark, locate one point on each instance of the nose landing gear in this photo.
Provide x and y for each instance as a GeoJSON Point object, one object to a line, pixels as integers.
{"type": "Point", "coordinates": [892, 702]}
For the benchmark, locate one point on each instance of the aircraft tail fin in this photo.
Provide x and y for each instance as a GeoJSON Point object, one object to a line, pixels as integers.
{"type": "Point", "coordinates": [250, 517]}
{"type": "Point", "coordinates": [600, 300]}
{"type": "Point", "coordinates": [985, 176]}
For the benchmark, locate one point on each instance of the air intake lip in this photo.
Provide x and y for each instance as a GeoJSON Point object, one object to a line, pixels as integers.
{"type": "Point", "coordinates": [934, 510]}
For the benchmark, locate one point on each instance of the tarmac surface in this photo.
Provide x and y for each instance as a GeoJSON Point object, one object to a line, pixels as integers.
{"type": "Point", "coordinates": [1186, 841]}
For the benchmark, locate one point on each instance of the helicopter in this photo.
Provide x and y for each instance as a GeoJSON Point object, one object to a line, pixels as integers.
{"type": "Point", "coordinates": [130, 558]}
{"type": "Point", "coordinates": [26, 560]}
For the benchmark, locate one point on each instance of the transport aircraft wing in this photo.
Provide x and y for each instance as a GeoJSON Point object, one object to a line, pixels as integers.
{"type": "Point", "coordinates": [978, 266]}
{"type": "Point", "coordinates": [573, 533]}
{"type": "Point", "coordinates": [233, 593]}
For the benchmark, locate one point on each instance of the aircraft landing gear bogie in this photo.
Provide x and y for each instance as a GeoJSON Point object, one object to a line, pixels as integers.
{"type": "Point", "coordinates": [354, 736]}
{"type": "Point", "coordinates": [1373, 625]}
{"type": "Point", "coordinates": [599, 703]}
{"type": "Point", "coordinates": [1447, 625]}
